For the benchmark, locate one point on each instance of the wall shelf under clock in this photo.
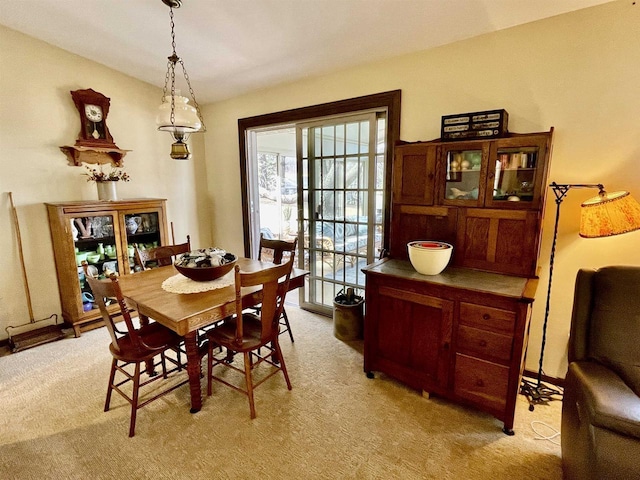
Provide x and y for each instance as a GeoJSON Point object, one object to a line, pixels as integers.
{"type": "Point", "coordinates": [77, 154]}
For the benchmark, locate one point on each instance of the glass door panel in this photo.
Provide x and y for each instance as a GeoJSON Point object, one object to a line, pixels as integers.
{"type": "Point", "coordinates": [342, 179]}
{"type": "Point", "coordinates": [515, 174]}
{"type": "Point", "coordinates": [462, 179]}
{"type": "Point", "coordinates": [94, 242]}
{"type": "Point", "coordinates": [143, 231]}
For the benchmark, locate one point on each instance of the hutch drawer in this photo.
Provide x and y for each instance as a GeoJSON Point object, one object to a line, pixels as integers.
{"type": "Point", "coordinates": [481, 381]}
{"type": "Point", "coordinates": [484, 344]}
{"type": "Point", "coordinates": [487, 318]}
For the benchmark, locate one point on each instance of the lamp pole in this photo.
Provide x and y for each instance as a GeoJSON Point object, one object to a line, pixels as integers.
{"type": "Point", "coordinates": [539, 393]}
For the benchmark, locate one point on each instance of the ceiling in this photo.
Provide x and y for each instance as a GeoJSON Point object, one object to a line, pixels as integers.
{"type": "Point", "coordinates": [230, 47]}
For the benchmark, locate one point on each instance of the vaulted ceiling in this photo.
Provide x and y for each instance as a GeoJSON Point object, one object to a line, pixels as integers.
{"type": "Point", "coordinates": [231, 47]}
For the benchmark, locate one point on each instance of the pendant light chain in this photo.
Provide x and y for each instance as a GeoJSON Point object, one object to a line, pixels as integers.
{"type": "Point", "coordinates": [171, 65]}
{"type": "Point", "coordinates": [193, 96]}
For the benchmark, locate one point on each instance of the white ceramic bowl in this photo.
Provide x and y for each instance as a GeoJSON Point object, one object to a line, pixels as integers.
{"type": "Point", "coordinates": [429, 257]}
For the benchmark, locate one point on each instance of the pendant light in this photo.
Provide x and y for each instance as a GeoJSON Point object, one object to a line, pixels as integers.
{"type": "Point", "coordinates": [176, 115]}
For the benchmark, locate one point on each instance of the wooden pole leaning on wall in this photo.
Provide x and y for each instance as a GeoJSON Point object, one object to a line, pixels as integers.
{"type": "Point", "coordinates": [37, 336]}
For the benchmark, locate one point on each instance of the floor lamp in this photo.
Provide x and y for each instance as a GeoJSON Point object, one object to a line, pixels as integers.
{"type": "Point", "coordinates": [602, 216]}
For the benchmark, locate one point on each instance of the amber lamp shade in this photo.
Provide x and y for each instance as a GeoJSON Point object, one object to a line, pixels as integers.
{"type": "Point", "coordinates": [609, 214]}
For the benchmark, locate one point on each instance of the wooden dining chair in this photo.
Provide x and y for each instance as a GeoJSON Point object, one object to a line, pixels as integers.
{"type": "Point", "coordinates": [133, 345]}
{"type": "Point", "coordinates": [276, 250]}
{"type": "Point", "coordinates": [248, 332]}
{"type": "Point", "coordinates": [160, 256]}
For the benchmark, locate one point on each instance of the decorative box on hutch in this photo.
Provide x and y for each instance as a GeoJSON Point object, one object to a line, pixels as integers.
{"type": "Point", "coordinates": [469, 126]}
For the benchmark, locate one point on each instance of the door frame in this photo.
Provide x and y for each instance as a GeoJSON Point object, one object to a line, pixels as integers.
{"type": "Point", "coordinates": [389, 100]}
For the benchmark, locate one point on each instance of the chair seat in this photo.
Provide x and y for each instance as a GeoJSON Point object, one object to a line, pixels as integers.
{"type": "Point", "coordinates": [225, 334]}
{"type": "Point", "coordinates": [155, 335]}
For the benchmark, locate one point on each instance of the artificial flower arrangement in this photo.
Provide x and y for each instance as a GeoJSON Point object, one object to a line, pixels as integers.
{"type": "Point", "coordinates": [97, 175]}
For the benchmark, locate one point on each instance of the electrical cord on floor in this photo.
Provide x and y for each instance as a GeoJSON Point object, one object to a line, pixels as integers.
{"type": "Point", "coordinates": [540, 436]}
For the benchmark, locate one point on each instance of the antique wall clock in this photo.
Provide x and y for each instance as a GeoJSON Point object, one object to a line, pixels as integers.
{"type": "Point", "coordinates": [95, 143]}
{"type": "Point", "coordinates": [93, 108]}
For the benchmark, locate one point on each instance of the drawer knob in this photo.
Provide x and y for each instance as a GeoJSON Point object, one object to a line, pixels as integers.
{"type": "Point", "coordinates": [483, 343]}
{"type": "Point", "coordinates": [486, 316]}
{"type": "Point", "coordinates": [479, 383]}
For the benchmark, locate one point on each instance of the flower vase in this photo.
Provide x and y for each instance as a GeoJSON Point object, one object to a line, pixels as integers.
{"type": "Point", "coordinates": [107, 191]}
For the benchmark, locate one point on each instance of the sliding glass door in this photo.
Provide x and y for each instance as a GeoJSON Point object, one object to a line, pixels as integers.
{"type": "Point", "coordinates": [335, 157]}
{"type": "Point", "coordinates": [341, 180]}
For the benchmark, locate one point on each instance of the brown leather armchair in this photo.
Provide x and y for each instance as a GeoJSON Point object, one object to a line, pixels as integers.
{"type": "Point", "coordinates": [601, 405]}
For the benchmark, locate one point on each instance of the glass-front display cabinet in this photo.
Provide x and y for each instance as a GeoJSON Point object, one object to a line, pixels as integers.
{"type": "Point", "coordinates": [104, 235]}
{"type": "Point", "coordinates": [505, 173]}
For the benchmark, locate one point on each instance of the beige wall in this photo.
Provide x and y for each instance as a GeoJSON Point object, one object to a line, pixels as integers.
{"type": "Point", "coordinates": [37, 115]}
{"type": "Point", "coordinates": [577, 72]}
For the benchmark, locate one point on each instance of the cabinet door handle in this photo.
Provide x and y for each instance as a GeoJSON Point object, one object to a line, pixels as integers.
{"type": "Point", "coordinates": [486, 316]}
{"type": "Point", "coordinates": [479, 383]}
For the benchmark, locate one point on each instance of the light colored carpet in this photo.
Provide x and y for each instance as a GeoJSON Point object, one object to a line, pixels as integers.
{"type": "Point", "coordinates": [334, 424]}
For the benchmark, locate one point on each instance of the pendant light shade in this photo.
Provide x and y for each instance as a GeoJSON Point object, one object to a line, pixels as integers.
{"type": "Point", "coordinates": [175, 114]}
{"type": "Point", "coordinates": [609, 214]}
{"type": "Point", "coordinates": [185, 116]}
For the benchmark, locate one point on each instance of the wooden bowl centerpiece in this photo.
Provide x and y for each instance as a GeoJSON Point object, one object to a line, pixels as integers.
{"type": "Point", "coordinates": [205, 264]}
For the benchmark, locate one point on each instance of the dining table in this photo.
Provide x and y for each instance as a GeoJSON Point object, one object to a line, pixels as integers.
{"type": "Point", "coordinates": [186, 313]}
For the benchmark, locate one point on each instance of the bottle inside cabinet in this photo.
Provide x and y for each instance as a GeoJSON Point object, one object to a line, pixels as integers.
{"type": "Point", "coordinates": [515, 174]}
{"type": "Point", "coordinates": [463, 174]}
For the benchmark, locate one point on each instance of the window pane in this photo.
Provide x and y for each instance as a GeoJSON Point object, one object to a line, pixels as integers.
{"type": "Point", "coordinates": [363, 174]}
{"type": "Point", "coordinates": [352, 138]}
{"type": "Point", "coordinates": [339, 173]}
{"type": "Point", "coordinates": [379, 173]}
{"type": "Point", "coordinates": [318, 141]}
{"type": "Point", "coordinates": [351, 180]}
{"type": "Point", "coordinates": [327, 141]}
{"type": "Point", "coordinates": [317, 170]}
{"type": "Point", "coordinates": [305, 176]}
{"type": "Point", "coordinates": [339, 196]}
{"type": "Point", "coordinates": [328, 180]}
{"type": "Point", "coordinates": [364, 137]}
{"type": "Point", "coordinates": [339, 132]}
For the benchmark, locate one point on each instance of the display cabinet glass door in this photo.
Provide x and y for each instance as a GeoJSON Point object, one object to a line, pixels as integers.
{"type": "Point", "coordinates": [463, 182]}
{"type": "Point", "coordinates": [516, 174]}
{"type": "Point", "coordinates": [143, 230]}
{"type": "Point", "coordinates": [94, 240]}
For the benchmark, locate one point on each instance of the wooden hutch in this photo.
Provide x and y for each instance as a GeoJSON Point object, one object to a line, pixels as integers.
{"type": "Point", "coordinates": [461, 334]}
